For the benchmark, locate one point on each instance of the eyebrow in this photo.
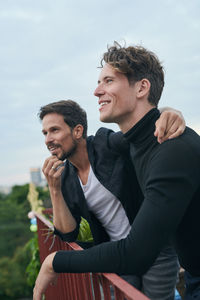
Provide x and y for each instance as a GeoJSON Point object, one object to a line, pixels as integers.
{"type": "Point", "coordinates": [51, 128]}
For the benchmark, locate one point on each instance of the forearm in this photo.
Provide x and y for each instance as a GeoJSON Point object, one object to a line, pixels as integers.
{"type": "Point", "coordinates": [127, 256]}
{"type": "Point", "coordinates": [167, 108]}
{"type": "Point", "coordinates": [62, 218]}
{"type": "Point", "coordinates": [150, 231]}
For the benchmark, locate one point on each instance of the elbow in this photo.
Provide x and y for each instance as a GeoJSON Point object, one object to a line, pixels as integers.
{"type": "Point", "coordinates": [69, 236]}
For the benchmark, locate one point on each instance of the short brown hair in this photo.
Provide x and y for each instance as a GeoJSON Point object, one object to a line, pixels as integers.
{"type": "Point", "coordinates": [137, 63]}
{"type": "Point", "coordinates": [71, 111]}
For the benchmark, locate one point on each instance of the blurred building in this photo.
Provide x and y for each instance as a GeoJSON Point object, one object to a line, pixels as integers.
{"type": "Point", "coordinates": [36, 178]}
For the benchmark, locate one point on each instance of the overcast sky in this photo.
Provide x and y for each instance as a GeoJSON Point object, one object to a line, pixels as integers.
{"type": "Point", "coordinates": [50, 50]}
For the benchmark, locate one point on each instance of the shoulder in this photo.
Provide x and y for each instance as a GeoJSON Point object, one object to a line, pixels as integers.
{"type": "Point", "coordinates": [188, 142]}
{"type": "Point", "coordinates": [180, 153]}
{"type": "Point", "coordinates": [115, 141]}
{"type": "Point", "coordinates": [102, 131]}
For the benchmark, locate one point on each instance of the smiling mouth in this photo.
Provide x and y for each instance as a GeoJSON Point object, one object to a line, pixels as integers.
{"type": "Point", "coordinates": [103, 103]}
{"type": "Point", "coordinates": [52, 148]}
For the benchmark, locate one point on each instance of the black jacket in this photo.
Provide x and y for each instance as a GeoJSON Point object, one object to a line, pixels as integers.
{"type": "Point", "coordinates": [114, 171]}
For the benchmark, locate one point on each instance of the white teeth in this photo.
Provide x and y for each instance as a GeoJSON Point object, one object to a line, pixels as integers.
{"type": "Point", "coordinates": [52, 148]}
{"type": "Point", "coordinates": [104, 103]}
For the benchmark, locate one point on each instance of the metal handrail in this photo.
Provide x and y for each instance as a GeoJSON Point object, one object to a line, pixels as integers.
{"type": "Point", "coordinates": [84, 286]}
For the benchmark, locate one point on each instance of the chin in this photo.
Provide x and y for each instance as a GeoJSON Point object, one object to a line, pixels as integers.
{"type": "Point", "coordinates": [106, 119]}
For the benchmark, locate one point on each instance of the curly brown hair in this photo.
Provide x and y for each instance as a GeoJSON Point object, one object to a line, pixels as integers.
{"type": "Point", "coordinates": [137, 63]}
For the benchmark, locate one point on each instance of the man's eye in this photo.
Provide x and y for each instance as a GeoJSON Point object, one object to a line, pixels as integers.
{"type": "Point", "coordinates": [109, 80]}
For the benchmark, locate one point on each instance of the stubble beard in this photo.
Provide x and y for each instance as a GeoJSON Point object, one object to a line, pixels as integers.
{"type": "Point", "coordinates": [70, 153]}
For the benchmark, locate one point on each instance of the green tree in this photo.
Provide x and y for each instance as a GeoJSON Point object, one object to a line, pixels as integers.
{"type": "Point", "coordinates": [19, 254]}
{"type": "Point", "coordinates": [33, 267]}
{"type": "Point", "coordinates": [13, 278]}
{"type": "Point", "coordinates": [14, 234]}
{"type": "Point", "coordinates": [2, 196]}
{"type": "Point", "coordinates": [18, 195]}
{"type": "Point", "coordinates": [14, 224]}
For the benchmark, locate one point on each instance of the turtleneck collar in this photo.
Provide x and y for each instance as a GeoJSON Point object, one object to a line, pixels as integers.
{"type": "Point", "coordinates": [144, 129]}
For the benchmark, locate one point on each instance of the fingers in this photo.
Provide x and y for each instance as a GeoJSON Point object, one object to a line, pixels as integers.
{"type": "Point", "coordinates": [161, 126]}
{"type": "Point", "coordinates": [174, 129]}
{"type": "Point", "coordinates": [178, 127]}
{"type": "Point", "coordinates": [172, 132]}
{"type": "Point", "coordinates": [167, 132]}
{"type": "Point", "coordinates": [176, 132]}
{"type": "Point", "coordinates": [52, 166]}
{"type": "Point", "coordinates": [170, 125]}
{"type": "Point", "coordinates": [49, 163]}
{"type": "Point", "coordinates": [52, 170]}
{"type": "Point", "coordinates": [57, 165]}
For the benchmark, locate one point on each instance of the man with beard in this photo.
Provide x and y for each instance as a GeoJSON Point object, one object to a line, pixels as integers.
{"type": "Point", "coordinates": [98, 184]}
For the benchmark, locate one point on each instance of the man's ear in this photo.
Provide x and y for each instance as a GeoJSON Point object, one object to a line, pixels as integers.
{"type": "Point", "coordinates": [78, 131]}
{"type": "Point", "coordinates": [143, 88]}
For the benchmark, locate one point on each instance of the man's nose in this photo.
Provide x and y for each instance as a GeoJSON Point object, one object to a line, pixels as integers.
{"type": "Point", "coordinates": [48, 139]}
{"type": "Point", "coordinates": [98, 91]}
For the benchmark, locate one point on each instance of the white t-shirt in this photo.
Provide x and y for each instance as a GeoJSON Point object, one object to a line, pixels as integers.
{"type": "Point", "coordinates": [106, 207]}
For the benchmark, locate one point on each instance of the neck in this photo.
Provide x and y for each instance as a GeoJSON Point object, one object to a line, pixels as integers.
{"type": "Point", "coordinates": [136, 115]}
{"type": "Point", "coordinates": [80, 158]}
{"type": "Point", "coordinates": [81, 161]}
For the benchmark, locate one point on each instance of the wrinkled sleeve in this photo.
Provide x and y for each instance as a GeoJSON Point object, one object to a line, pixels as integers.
{"type": "Point", "coordinates": [69, 236]}
{"type": "Point", "coordinates": [115, 141]}
{"type": "Point", "coordinates": [118, 143]}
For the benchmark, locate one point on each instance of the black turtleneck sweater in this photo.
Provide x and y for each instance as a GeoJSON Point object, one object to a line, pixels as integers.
{"type": "Point", "coordinates": [169, 176]}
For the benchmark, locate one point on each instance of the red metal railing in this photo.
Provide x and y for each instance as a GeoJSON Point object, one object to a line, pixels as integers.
{"type": "Point", "coordinates": [85, 286]}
